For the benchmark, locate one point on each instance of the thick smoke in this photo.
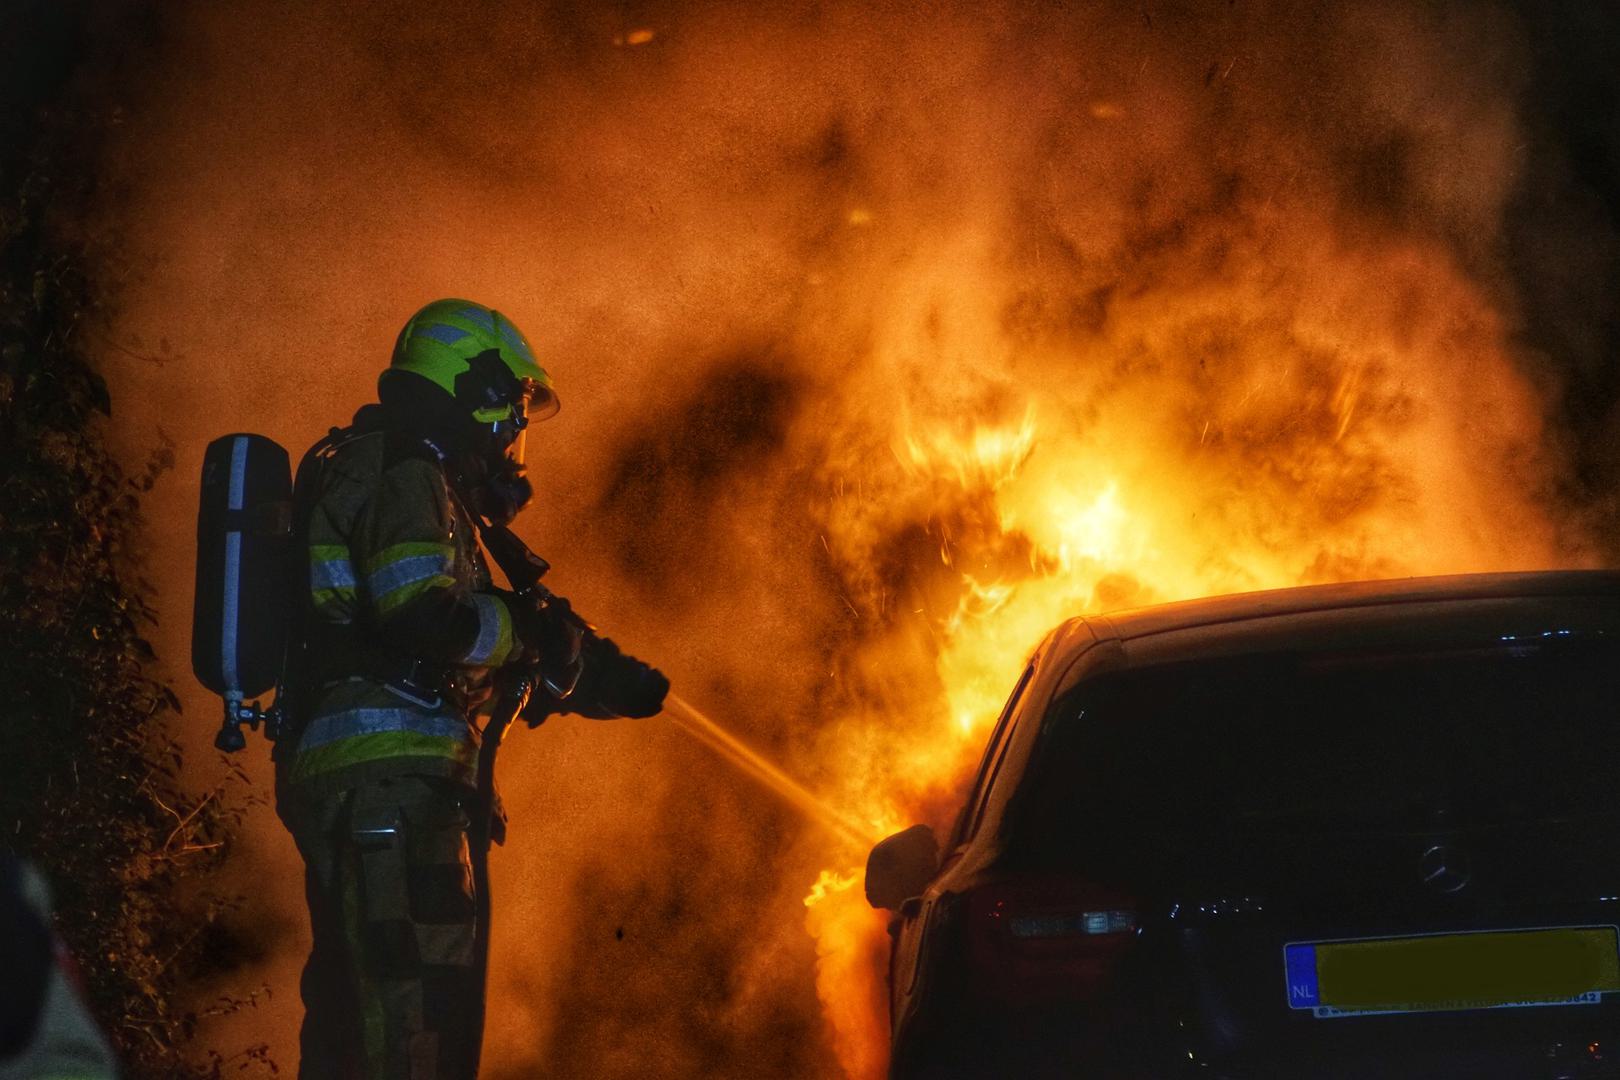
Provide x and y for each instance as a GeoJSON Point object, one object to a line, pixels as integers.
{"type": "Point", "coordinates": [865, 318]}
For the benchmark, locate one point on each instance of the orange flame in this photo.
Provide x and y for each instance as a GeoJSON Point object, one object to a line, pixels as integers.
{"type": "Point", "coordinates": [1079, 309]}
{"type": "Point", "coordinates": [1306, 467]}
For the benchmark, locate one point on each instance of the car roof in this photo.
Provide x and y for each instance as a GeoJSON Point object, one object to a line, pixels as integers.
{"type": "Point", "coordinates": [1437, 609]}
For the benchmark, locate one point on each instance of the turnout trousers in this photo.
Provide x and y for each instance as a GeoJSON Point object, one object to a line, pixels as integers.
{"type": "Point", "coordinates": [391, 986]}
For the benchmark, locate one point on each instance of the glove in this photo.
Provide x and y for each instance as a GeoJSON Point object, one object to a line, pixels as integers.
{"type": "Point", "coordinates": [551, 633]}
{"type": "Point", "coordinates": [611, 685]}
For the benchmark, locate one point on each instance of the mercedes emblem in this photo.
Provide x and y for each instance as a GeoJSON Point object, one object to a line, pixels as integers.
{"type": "Point", "coordinates": [1445, 868]}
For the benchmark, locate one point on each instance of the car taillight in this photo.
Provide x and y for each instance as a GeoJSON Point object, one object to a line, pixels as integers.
{"type": "Point", "coordinates": [1047, 925]}
{"type": "Point", "coordinates": [1046, 938]}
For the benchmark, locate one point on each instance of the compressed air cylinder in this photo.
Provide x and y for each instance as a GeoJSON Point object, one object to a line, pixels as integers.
{"type": "Point", "coordinates": [244, 546]}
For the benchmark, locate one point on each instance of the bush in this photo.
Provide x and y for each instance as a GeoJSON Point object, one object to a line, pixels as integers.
{"type": "Point", "coordinates": [89, 780]}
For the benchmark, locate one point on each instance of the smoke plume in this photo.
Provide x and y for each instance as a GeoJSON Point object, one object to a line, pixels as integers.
{"type": "Point", "coordinates": [886, 336]}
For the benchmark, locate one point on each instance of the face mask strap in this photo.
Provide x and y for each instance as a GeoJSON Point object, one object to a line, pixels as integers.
{"type": "Point", "coordinates": [519, 447]}
{"type": "Point", "coordinates": [520, 420]}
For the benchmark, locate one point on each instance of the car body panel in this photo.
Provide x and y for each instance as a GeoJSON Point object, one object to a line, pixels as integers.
{"type": "Point", "coordinates": [1224, 613]}
{"type": "Point", "coordinates": [1222, 941]}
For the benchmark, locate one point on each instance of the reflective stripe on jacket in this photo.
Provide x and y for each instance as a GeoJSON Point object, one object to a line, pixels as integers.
{"type": "Point", "coordinates": [391, 555]}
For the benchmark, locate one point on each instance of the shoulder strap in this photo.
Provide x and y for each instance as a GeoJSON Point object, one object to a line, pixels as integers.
{"type": "Point", "coordinates": [399, 446]}
{"type": "Point", "coordinates": [299, 674]}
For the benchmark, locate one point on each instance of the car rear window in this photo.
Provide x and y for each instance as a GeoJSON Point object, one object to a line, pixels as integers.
{"type": "Point", "coordinates": [1512, 732]}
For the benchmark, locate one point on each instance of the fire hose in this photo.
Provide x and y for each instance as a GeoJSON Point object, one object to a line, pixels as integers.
{"type": "Point", "coordinates": [513, 697]}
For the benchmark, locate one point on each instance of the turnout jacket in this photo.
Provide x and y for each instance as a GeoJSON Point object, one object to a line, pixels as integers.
{"type": "Point", "coordinates": [394, 564]}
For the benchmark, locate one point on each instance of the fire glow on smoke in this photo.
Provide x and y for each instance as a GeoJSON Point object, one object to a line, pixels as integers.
{"type": "Point", "coordinates": [1336, 438]}
{"type": "Point", "coordinates": [885, 344]}
{"type": "Point", "coordinates": [1239, 396]}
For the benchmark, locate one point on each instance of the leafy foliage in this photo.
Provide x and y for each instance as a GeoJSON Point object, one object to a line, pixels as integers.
{"type": "Point", "coordinates": [90, 783]}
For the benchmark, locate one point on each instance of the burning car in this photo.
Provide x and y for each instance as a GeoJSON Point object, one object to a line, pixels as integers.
{"type": "Point", "coordinates": [1362, 830]}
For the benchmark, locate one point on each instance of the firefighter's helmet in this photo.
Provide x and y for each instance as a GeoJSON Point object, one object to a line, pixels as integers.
{"type": "Point", "coordinates": [477, 356]}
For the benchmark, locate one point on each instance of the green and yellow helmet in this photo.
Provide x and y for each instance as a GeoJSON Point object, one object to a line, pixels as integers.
{"type": "Point", "coordinates": [475, 354]}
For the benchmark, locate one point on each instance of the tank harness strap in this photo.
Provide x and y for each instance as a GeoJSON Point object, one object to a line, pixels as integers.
{"type": "Point", "coordinates": [334, 653]}
{"type": "Point", "coordinates": [324, 653]}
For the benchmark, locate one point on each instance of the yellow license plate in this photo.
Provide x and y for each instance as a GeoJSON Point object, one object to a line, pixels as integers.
{"type": "Point", "coordinates": [1492, 969]}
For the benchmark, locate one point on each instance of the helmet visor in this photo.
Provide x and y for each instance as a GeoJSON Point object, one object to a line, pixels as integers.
{"type": "Point", "coordinates": [539, 401]}
{"type": "Point", "coordinates": [511, 432]}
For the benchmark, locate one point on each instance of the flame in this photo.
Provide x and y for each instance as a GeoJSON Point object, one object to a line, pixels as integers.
{"type": "Point", "coordinates": [986, 455]}
{"type": "Point", "coordinates": [849, 944]}
{"type": "Point", "coordinates": [829, 883]}
{"type": "Point", "coordinates": [1311, 460]}
{"type": "Point", "coordinates": [1078, 525]}
{"type": "Point", "coordinates": [1075, 310]}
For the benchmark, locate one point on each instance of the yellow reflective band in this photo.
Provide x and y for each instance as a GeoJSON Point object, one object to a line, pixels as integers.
{"type": "Point", "coordinates": [402, 572]}
{"type": "Point", "coordinates": [330, 568]}
{"type": "Point", "coordinates": [359, 749]}
{"type": "Point", "coordinates": [332, 585]}
{"type": "Point", "coordinates": [333, 604]}
{"type": "Point", "coordinates": [495, 641]}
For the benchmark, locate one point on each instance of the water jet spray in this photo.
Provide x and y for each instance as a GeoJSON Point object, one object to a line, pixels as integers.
{"type": "Point", "coordinates": [754, 765]}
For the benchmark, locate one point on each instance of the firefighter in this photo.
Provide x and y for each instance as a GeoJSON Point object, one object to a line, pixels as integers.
{"type": "Point", "coordinates": [404, 628]}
